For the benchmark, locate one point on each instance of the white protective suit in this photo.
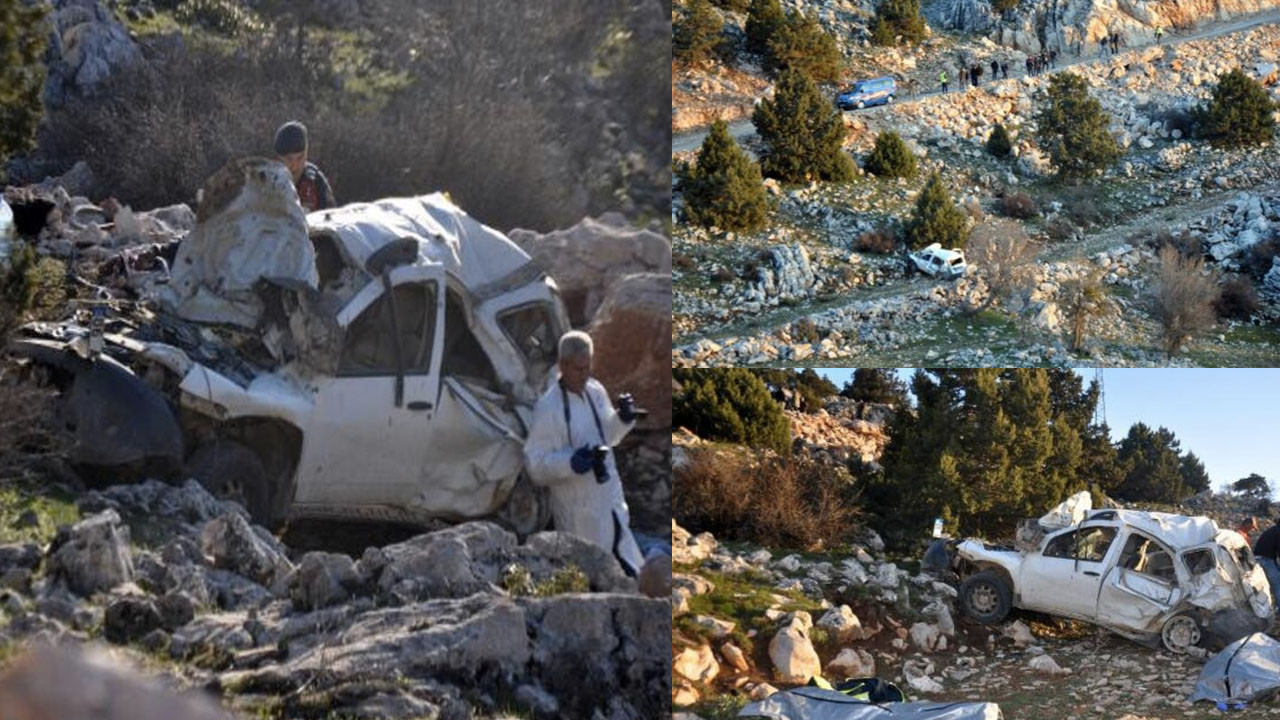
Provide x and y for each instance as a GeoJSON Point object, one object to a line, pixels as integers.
{"type": "Point", "coordinates": [579, 504]}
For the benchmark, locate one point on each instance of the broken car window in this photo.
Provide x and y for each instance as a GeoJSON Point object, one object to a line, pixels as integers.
{"type": "Point", "coordinates": [370, 347]}
{"type": "Point", "coordinates": [1244, 557]}
{"type": "Point", "coordinates": [1143, 555]}
{"type": "Point", "coordinates": [1089, 544]}
{"type": "Point", "coordinates": [531, 329]}
{"type": "Point", "coordinates": [1199, 562]}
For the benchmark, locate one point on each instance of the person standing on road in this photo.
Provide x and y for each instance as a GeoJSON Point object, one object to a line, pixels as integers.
{"type": "Point", "coordinates": [569, 449]}
{"type": "Point", "coordinates": [1004, 69]}
{"type": "Point", "coordinates": [1053, 58]}
{"type": "Point", "coordinates": [995, 70]}
{"type": "Point", "coordinates": [964, 77]}
{"type": "Point", "coordinates": [1265, 551]}
{"type": "Point", "coordinates": [942, 80]}
{"type": "Point", "coordinates": [1159, 33]}
{"type": "Point", "coordinates": [976, 73]}
{"type": "Point", "coordinates": [1029, 65]}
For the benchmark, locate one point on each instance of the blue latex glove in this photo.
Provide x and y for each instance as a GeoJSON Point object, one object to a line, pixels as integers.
{"type": "Point", "coordinates": [626, 407]}
{"type": "Point", "coordinates": [582, 460]}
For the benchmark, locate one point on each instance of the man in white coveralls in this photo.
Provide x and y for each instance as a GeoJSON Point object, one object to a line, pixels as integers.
{"type": "Point", "coordinates": [570, 451]}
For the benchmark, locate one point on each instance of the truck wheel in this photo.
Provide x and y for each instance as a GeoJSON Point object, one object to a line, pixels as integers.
{"type": "Point", "coordinates": [1180, 633]}
{"type": "Point", "coordinates": [231, 471]}
{"type": "Point", "coordinates": [889, 100]}
{"type": "Point", "coordinates": [527, 510]}
{"type": "Point", "coordinates": [985, 597]}
{"type": "Point", "coordinates": [861, 104]}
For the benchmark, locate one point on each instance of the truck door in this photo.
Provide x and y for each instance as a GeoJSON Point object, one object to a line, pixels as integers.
{"type": "Point", "coordinates": [1063, 578]}
{"type": "Point", "coordinates": [1142, 586]}
{"type": "Point", "coordinates": [371, 430]}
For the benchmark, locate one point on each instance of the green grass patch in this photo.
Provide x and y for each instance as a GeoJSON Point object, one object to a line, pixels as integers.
{"type": "Point", "coordinates": [51, 508]}
{"type": "Point", "coordinates": [724, 707]}
{"type": "Point", "coordinates": [742, 599]}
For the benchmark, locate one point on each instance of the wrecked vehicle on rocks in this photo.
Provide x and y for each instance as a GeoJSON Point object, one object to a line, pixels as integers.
{"type": "Point", "coordinates": [1148, 576]}
{"type": "Point", "coordinates": [936, 262]}
{"type": "Point", "coordinates": [377, 361]}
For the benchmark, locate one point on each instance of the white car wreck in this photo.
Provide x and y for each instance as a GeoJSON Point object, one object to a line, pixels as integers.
{"type": "Point", "coordinates": [1148, 576]}
{"type": "Point", "coordinates": [934, 261]}
{"type": "Point", "coordinates": [377, 361]}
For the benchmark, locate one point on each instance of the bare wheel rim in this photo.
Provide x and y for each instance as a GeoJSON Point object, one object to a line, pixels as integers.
{"type": "Point", "coordinates": [983, 598]}
{"type": "Point", "coordinates": [1181, 633]}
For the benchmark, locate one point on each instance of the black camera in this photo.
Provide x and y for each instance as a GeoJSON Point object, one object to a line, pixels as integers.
{"type": "Point", "coordinates": [599, 454]}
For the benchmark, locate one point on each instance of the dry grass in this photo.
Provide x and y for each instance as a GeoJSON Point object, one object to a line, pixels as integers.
{"type": "Point", "coordinates": [781, 503]}
{"type": "Point", "coordinates": [1001, 252]}
{"type": "Point", "coordinates": [880, 241]}
{"type": "Point", "coordinates": [1239, 299]}
{"type": "Point", "coordinates": [1018, 204]}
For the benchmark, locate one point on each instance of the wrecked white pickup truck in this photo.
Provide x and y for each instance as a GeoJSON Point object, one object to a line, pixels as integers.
{"type": "Point", "coordinates": [1148, 576]}
{"type": "Point", "coordinates": [378, 361]}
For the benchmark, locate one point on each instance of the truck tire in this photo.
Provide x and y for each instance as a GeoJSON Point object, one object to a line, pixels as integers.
{"type": "Point", "coordinates": [1181, 633]}
{"type": "Point", "coordinates": [985, 597]}
{"type": "Point", "coordinates": [231, 471]}
{"type": "Point", "coordinates": [527, 509]}
{"type": "Point", "coordinates": [861, 104]}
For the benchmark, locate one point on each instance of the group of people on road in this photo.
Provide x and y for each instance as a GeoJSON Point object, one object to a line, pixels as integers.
{"type": "Point", "coordinates": [1045, 60]}
{"type": "Point", "coordinates": [1113, 41]}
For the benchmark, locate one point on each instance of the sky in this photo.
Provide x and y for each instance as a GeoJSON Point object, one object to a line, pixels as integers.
{"type": "Point", "coordinates": [1230, 418]}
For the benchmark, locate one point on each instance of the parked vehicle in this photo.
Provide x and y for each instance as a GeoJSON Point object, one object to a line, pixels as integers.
{"type": "Point", "coordinates": [868, 93]}
{"type": "Point", "coordinates": [934, 261]}
{"type": "Point", "coordinates": [378, 361]}
{"type": "Point", "coordinates": [1148, 576]}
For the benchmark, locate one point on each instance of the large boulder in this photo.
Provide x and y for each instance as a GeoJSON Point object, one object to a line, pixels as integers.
{"type": "Point", "coordinates": [232, 544]}
{"type": "Point", "coordinates": [130, 618]}
{"type": "Point", "coordinates": [93, 555]}
{"type": "Point", "coordinates": [587, 259]}
{"type": "Point", "coordinates": [697, 664]}
{"type": "Point", "coordinates": [87, 47]}
{"type": "Point", "coordinates": [63, 683]}
{"type": "Point", "coordinates": [632, 334]}
{"type": "Point", "coordinates": [323, 579]}
{"type": "Point", "coordinates": [792, 653]}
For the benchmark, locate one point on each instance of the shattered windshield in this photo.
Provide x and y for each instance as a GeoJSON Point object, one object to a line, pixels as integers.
{"type": "Point", "coordinates": [531, 329]}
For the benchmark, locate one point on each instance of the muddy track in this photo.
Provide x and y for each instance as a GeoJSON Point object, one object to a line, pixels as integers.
{"type": "Point", "coordinates": [742, 129]}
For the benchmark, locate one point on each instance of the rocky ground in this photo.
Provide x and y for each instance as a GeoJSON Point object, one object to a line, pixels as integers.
{"type": "Point", "coordinates": [802, 292]}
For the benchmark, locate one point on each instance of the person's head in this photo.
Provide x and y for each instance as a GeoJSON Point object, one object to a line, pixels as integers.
{"type": "Point", "coordinates": [575, 360]}
{"type": "Point", "coordinates": [291, 147]}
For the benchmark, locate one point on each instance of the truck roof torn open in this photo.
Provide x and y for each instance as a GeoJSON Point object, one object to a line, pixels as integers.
{"type": "Point", "coordinates": [380, 359]}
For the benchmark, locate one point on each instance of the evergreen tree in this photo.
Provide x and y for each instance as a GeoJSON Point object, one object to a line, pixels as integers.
{"type": "Point", "coordinates": [812, 387]}
{"type": "Point", "coordinates": [1151, 466]}
{"type": "Point", "coordinates": [1193, 474]}
{"type": "Point", "coordinates": [734, 5]}
{"type": "Point", "coordinates": [1001, 6]}
{"type": "Point", "coordinates": [936, 218]}
{"type": "Point", "coordinates": [1072, 126]}
{"type": "Point", "coordinates": [1239, 113]}
{"type": "Point", "coordinates": [22, 74]}
{"type": "Point", "coordinates": [898, 19]}
{"type": "Point", "coordinates": [764, 18]}
{"type": "Point", "coordinates": [801, 44]}
{"type": "Point", "coordinates": [877, 385]}
{"type": "Point", "coordinates": [998, 143]}
{"type": "Point", "coordinates": [696, 32]}
{"type": "Point", "coordinates": [1254, 485]}
{"type": "Point", "coordinates": [804, 133]}
{"type": "Point", "coordinates": [724, 189]}
{"type": "Point", "coordinates": [890, 157]}
{"type": "Point", "coordinates": [730, 404]}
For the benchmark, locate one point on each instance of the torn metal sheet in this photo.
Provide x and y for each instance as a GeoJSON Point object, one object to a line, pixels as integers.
{"type": "Point", "coordinates": [1068, 512]}
{"type": "Point", "coordinates": [812, 703]}
{"type": "Point", "coordinates": [1245, 671]}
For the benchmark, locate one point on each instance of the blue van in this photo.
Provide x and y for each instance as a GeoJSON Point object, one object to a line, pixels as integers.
{"type": "Point", "coordinates": [866, 93]}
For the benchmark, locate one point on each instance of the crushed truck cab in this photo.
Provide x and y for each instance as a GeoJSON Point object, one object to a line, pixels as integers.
{"type": "Point", "coordinates": [1148, 576]}
{"type": "Point", "coordinates": [376, 361]}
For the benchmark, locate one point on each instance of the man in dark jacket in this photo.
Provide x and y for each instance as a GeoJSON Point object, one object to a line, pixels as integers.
{"type": "Point", "coordinates": [1004, 69]}
{"type": "Point", "coordinates": [1265, 551]}
{"type": "Point", "coordinates": [313, 187]}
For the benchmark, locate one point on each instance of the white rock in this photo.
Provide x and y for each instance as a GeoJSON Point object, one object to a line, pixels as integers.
{"type": "Point", "coordinates": [1046, 664]}
{"type": "Point", "coordinates": [842, 623]}
{"type": "Point", "coordinates": [853, 663]}
{"type": "Point", "coordinates": [735, 657]}
{"type": "Point", "coordinates": [1019, 633]}
{"type": "Point", "coordinates": [794, 659]}
{"type": "Point", "coordinates": [696, 664]}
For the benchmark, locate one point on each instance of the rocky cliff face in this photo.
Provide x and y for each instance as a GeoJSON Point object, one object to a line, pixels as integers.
{"type": "Point", "coordinates": [844, 428]}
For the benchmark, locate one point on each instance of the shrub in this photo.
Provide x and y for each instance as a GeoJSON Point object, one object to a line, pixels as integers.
{"type": "Point", "coordinates": [1183, 297]}
{"type": "Point", "coordinates": [877, 385]}
{"type": "Point", "coordinates": [1001, 6]}
{"type": "Point", "coordinates": [1262, 255]}
{"type": "Point", "coordinates": [998, 143]}
{"type": "Point", "coordinates": [897, 19]}
{"type": "Point", "coordinates": [696, 32]}
{"type": "Point", "coordinates": [682, 261]}
{"type": "Point", "coordinates": [226, 17]}
{"type": "Point", "coordinates": [890, 157]}
{"type": "Point", "coordinates": [1004, 257]}
{"type": "Point", "coordinates": [734, 5]}
{"type": "Point", "coordinates": [1239, 299]}
{"type": "Point", "coordinates": [22, 74]}
{"type": "Point", "coordinates": [1060, 230]}
{"type": "Point", "coordinates": [801, 44]}
{"type": "Point", "coordinates": [1184, 119]}
{"type": "Point", "coordinates": [764, 18]}
{"type": "Point", "coordinates": [1183, 242]}
{"type": "Point", "coordinates": [1072, 126]}
{"type": "Point", "coordinates": [1082, 299]}
{"type": "Point", "coordinates": [730, 404]}
{"type": "Point", "coordinates": [1239, 113]}
{"type": "Point", "coordinates": [792, 504]}
{"type": "Point", "coordinates": [881, 241]}
{"type": "Point", "coordinates": [806, 330]}
{"type": "Point", "coordinates": [31, 287]}
{"type": "Point", "coordinates": [724, 188]}
{"type": "Point", "coordinates": [936, 218]}
{"type": "Point", "coordinates": [803, 131]}
{"type": "Point", "coordinates": [1017, 204]}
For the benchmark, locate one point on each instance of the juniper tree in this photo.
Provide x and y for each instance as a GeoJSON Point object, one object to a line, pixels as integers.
{"type": "Point", "coordinates": [936, 218]}
{"type": "Point", "coordinates": [724, 188]}
{"type": "Point", "coordinates": [764, 18]}
{"type": "Point", "coordinates": [1072, 127]}
{"type": "Point", "coordinates": [1239, 113]}
{"type": "Point", "coordinates": [898, 19]}
{"type": "Point", "coordinates": [804, 133]}
{"type": "Point", "coordinates": [696, 33]}
{"type": "Point", "coordinates": [730, 404]}
{"type": "Point", "coordinates": [801, 44]}
{"type": "Point", "coordinates": [891, 157]}
{"type": "Point", "coordinates": [998, 143]}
